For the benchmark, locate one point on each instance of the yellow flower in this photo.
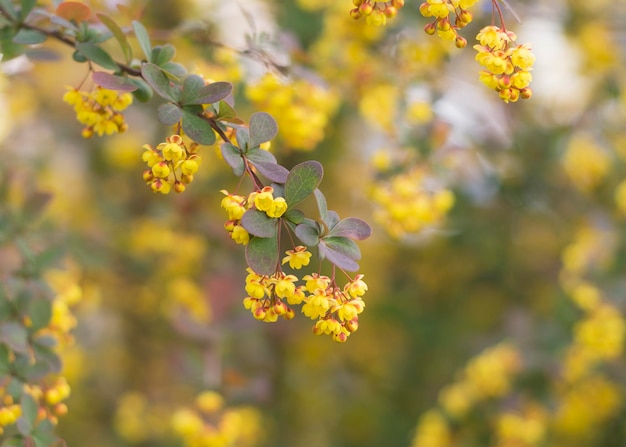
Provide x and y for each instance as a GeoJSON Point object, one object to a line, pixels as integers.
{"type": "Point", "coordinates": [277, 208]}
{"type": "Point", "coordinates": [297, 257]}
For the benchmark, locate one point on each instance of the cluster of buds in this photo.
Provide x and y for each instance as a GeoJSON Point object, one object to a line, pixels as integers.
{"type": "Point", "coordinates": [236, 205]}
{"type": "Point", "coordinates": [172, 164]}
{"type": "Point", "coordinates": [99, 110]}
{"type": "Point", "coordinates": [507, 65]}
{"type": "Point", "coordinates": [375, 13]}
{"type": "Point", "coordinates": [443, 26]}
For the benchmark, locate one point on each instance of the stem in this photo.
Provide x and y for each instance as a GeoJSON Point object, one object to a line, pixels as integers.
{"type": "Point", "coordinates": [496, 7]}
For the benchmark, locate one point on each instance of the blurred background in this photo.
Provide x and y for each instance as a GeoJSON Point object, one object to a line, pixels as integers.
{"type": "Point", "coordinates": [495, 310]}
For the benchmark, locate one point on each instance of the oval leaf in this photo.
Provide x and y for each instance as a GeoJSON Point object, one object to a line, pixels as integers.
{"type": "Point", "coordinates": [341, 251]}
{"type": "Point", "coordinates": [303, 179]}
{"type": "Point", "coordinates": [308, 232]}
{"type": "Point", "coordinates": [169, 114]}
{"type": "Point", "coordinates": [29, 37]}
{"type": "Point", "coordinates": [14, 335]}
{"type": "Point", "coordinates": [272, 171]}
{"type": "Point", "coordinates": [232, 156]}
{"type": "Point", "coordinates": [198, 129]}
{"type": "Point", "coordinates": [162, 54]}
{"type": "Point", "coordinates": [191, 86]}
{"type": "Point", "coordinates": [262, 254]}
{"type": "Point", "coordinates": [113, 82]}
{"type": "Point", "coordinates": [96, 54]}
{"type": "Point", "coordinates": [141, 33]}
{"type": "Point", "coordinates": [262, 128]}
{"type": "Point", "coordinates": [119, 36]}
{"type": "Point", "coordinates": [294, 215]}
{"type": "Point", "coordinates": [158, 81]}
{"type": "Point", "coordinates": [353, 228]}
{"type": "Point", "coordinates": [257, 223]}
{"type": "Point", "coordinates": [322, 206]}
{"type": "Point", "coordinates": [214, 92]}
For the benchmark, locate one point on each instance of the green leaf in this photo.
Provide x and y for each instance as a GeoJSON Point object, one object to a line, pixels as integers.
{"type": "Point", "coordinates": [266, 164]}
{"type": "Point", "coordinates": [303, 179]}
{"type": "Point", "coordinates": [119, 36]}
{"type": "Point", "coordinates": [341, 251]}
{"type": "Point", "coordinates": [243, 137]}
{"type": "Point", "coordinates": [27, 7]}
{"type": "Point", "coordinates": [39, 311]}
{"type": "Point", "coordinates": [26, 421]}
{"type": "Point", "coordinates": [113, 82]}
{"type": "Point", "coordinates": [322, 206]}
{"type": "Point", "coordinates": [169, 114]}
{"type": "Point", "coordinates": [15, 441]}
{"type": "Point", "coordinates": [191, 88]}
{"type": "Point", "coordinates": [262, 254]}
{"type": "Point", "coordinates": [226, 111]}
{"type": "Point", "coordinates": [47, 362]}
{"type": "Point", "coordinates": [232, 156]}
{"type": "Point", "coordinates": [161, 84]}
{"type": "Point", "coordinates": [29, 37]}
{"type": "Point", "coordinates": [294, 215]}
{"type": "Point", "coordinates": [141, 33]}
{"type": "Point", "coordinates": [211, 93]}
{"type": "Point", "coordinates": [175, 70]}
{"type": "Point", "coordinates": [257, 223]}
{"type": "Point", "coordinates": [262, 128]}
{"type": "Point", "coordinates": [308, 232]}
{"type": "Point", "coordinates": [9, 8]}
{"type": "Point", "coordinates": [332, 219]}
{"type": "Point", "coordinates": [5, 363]}
{"type": "Point", "coordinates": [162, 54]}
{"type": "Point", "coordinates": [44, 434]}
{"type": "Point", "coordinates": [144, 92]}
{"type": "Point", "coordinates": [353, 228]}
{"type": "Point", "coordinates": [96, 54]}
{"type": "Point", "coordinates": [198, 129]}
{"type": "Point", "coordinates": [14, 335]}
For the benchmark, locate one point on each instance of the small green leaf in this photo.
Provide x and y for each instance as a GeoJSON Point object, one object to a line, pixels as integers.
{"type": "Point", "coordinates": [162, 54]}
{"type": "Point", "coordinates": [39, 311]}
{"type": "Point", "coordinates": [9, 8]}
{"type": "Point", "coordinates": [322, 206]}
{"type": "Point", "coordinates": [175, 70]}
{"type": "Point", "coordinates": [232, 156]}
{"type": "Point", "coordinates": [198, 129]}
{"type": "Point", "coordinates": [353, 228]}
{"type": "Point", "coordinates": [294, 215]}
{"type": "Point", "coordinates": [169, 114]}
{"type": "Point", "coordinates": [113, 82]}
{"type": "Point", "coordinates": [308, 232]}
{"type": "Point", "coordinates": [96, 54]}
{"type": "Point", "coordinates": [14, 335]}
{"type": "Point", "coordinates": [243, 137]}
{"type": "Point", "coordinates": [141, 33]}
{"type": "Point", "coordinates": [27, 7]}
{"type": "Point", "coordinates": [332, 219]}
{"type": "Point", "coordinates": [211, 93]}
{"type": "Point", "coordinates": [191, 88]}
{"type": "Point", "coordinates": [266, 164]}
{"type": "Point", "coordinates": [44, 435]}
{"type": "Point", "coordinates": [144, 92]}
{"type": "Point", "coordinates": [226, 111]}
{"type": "Point", "coordinates": [119, 36]}
{"type": "Point", "coordinates": [159, 82]}
{"type": "Point", "coordinates": [257, 223]}
{"type": "Point", "coordinates": [262, 254]}
{"type": "Point", "coordinates": [341, 251]}
{"type": "Point", "coordinates": [26, 421]}
{"type": "Point", "coordinates": [262, 128]}
{"type": "Point", "coordinates": [303, 179]}
{"type": "Point", "coordinates": [29, 37]}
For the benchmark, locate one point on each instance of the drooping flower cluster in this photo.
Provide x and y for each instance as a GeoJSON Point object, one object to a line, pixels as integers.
{"type": "Point", "coordinates": [172, 164]}
{"type": "Point", "coordinates": [236, 205]}
{"type": "Point", "coordinates": [301, 108]}
{"type": "Point", "coordinates": [443, 25]}
{"type": "Point", "coordinates": [406, 205]}
{"type": "Point", "coordinates": [99, 110]}
{"type": "Point", "coordinates": [336, 309]}
{"type": "Point", "coordinates": [210, 423]}
{"type": "Point", "coordinates": [376, 13]}
{"type": "Point", "coordinates": [507, 65]}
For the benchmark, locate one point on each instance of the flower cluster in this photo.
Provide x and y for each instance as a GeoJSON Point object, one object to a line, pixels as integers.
{"type": "Point", "coordinates": [301, 108]}
{"type": "Point", "coordinates": [406, 205]}
{"type": "Point", "coordinates": [507, 65]}
{"type": "Point", "coordinates": [236, 205]}
{"type": "Point", "coordinates": [210, 423]}
{"type": "Point", "coordinates": [99, 110]}
{"type": "Point", "coordinates": [376, 13]}
{"type": "Point", "coordinates": [172, 164]}
{"type": "Point", "coordinates": [443, 25]}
